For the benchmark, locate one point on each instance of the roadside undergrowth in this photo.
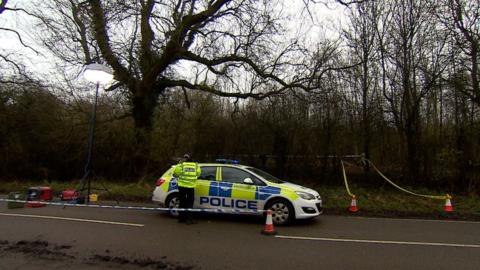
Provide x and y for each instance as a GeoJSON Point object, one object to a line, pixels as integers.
{"type": "Point", "coordinates": [383, 201]}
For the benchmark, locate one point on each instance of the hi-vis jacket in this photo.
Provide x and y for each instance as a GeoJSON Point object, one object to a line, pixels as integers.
{"type": "Point", "coordinates": [187, 173]}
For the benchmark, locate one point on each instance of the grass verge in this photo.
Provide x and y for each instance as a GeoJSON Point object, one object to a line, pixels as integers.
{"type": "Point", "coordinates": [138, 192]}
{"type": "Point", "coordinates": [388, 202]}
{"type": "Point", "coordinates": [380, 202]}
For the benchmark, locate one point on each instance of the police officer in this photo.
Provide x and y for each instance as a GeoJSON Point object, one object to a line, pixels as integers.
{"type": "Point", "coordinates": [187, 173]}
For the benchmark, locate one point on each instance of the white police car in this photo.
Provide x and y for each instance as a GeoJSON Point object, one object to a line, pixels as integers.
{"type": "Point", "coordinates": [239, 188]}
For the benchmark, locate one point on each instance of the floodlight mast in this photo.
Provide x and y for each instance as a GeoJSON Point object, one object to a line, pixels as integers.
{"type": "Point", "coordinates": [97, 74]}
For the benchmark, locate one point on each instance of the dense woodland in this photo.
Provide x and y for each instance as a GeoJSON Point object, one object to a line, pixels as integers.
{"type": "Point", "coordinates": [399, 84]}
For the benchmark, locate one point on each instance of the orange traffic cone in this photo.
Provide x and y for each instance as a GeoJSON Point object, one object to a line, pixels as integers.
{"type": "Point", "coordinates": [448, 204]}
{"type": "Point", "coordinates": [269, 230]}
{"type": "Point", "coordinates": [353, 205]}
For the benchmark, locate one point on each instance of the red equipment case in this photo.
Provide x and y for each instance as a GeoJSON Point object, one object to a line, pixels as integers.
{"type": "Point", "coordinates": [39, 194]}
{"type": "Point", "coordinates": [46, 193]}
{"type": "Point", "coordinates": [69, 195]}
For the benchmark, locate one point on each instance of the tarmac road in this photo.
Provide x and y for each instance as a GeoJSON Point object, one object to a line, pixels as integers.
{"type": "Point", "coordinates": [152, 240]}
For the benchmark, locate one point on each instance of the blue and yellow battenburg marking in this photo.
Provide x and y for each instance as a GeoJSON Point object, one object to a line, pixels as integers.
{"type": "Point", "coordinates": [224, 189]}
{"type": "Point", "coordinates": [230, 195]}
{"type": "Point", "coordinates": [220, 189]}
{"type": "Point", "coordinates": [264, 193]}
{"type": "Point", "coordinates": [173, 185]}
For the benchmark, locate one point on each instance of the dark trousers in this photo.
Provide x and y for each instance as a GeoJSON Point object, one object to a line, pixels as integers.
{"type": "Point", "coordinates": [187, 197]}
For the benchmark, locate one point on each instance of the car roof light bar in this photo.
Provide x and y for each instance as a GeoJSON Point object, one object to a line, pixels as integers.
{"type": "Point", "coordinates": [227, 161]}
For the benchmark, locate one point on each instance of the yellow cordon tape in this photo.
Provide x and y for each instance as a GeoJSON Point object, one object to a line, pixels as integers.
{"type": "Point", "coordinates": [436, 197]}
{"type": "Point", "coordinates": [345, 181]}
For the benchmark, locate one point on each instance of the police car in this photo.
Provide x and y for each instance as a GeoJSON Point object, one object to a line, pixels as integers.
{"type": "Point", "coordinates": [239, 188]}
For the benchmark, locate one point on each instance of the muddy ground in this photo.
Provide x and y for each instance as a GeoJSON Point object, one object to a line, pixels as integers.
{"type": "Point", "coordinates": [33, 255]}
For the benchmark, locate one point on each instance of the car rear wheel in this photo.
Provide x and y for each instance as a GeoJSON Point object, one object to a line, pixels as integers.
{"type": "Point", "coordinates": [173, 202]}
{"type": "Point", "coordinates": [282, 211]}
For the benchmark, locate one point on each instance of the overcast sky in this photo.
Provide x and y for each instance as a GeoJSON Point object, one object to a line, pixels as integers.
{"type": "Point", "coordinates": [326, 21]}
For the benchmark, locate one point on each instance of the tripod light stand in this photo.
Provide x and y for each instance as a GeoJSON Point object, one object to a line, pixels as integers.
{"type": "Point", "coordinates": [97, 74]}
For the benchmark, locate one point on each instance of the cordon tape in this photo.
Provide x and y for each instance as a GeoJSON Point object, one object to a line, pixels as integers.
{"type": "Point", "coordinates": [345, 181]}
{"type": "Point", "coordinates": [436, 197]}
{"type": "Point", "coordinates": [235, 211]}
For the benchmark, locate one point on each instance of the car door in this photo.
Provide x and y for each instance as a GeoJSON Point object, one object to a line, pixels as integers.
{"type": "Point", "coordinates": [239, 196]}
{"type": "Point", "coordinates": [209, 174]}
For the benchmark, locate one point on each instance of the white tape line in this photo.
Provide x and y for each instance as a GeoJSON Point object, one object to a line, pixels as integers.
{"type": "Point", "coordinates": [75, 219]}
{"type": "Point", "coordinates": [419, 220]}
{"type": "Point", "coordinates": [236, 211]}
{"type": "Point", "coordinates": [377, 241]}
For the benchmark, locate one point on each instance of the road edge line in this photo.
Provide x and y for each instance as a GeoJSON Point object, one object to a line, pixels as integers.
{"type": "Point", "coordinates": [376, 241]}
{"type": "Point", "coordinates": [75, 219]}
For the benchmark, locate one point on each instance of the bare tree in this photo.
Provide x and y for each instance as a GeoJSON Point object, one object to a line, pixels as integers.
{"type": "Point", "coordinates": [231, 48]}
{"type": "Point", "coordinates": [462, 19]}
{"type": "Point", "coordinates": [6, 57]}
{"type": "Point", "coordinates": [413, 50]}
{"type": "Point", "coordinates": [363, 43]}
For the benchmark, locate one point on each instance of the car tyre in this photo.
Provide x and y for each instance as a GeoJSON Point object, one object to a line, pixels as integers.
{"type": "Point", "coordinates": [283, 212]}
{"type": "Point", "coordinates": [173, 201]}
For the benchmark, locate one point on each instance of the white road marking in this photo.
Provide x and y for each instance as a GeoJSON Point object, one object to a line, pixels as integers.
{"type": "Point", "coordinates": [419, 220]}
{"type": "Point", "coordinates": [75, 219]}
{"type": "Point", "coordinates": [376, 241]}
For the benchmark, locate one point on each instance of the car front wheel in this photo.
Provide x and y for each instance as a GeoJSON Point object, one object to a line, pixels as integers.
{"type": "Point", "coordinates": [282, 211]}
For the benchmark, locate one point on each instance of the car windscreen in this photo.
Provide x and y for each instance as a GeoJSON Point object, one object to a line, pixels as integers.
{"type": "Point", "coordinates": [265, 175]}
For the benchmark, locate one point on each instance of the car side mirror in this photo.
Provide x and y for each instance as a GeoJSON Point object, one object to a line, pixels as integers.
{"type": "Point", "coordinates": [248, 181]}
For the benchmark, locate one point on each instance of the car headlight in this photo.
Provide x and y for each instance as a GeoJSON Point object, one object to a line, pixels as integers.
{"type": "Point", "coordinates": [305, 195]}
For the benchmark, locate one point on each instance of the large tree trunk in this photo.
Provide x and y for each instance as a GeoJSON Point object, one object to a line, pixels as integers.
{"type": "Point", "coordinates": [474, 73]}
{"type": "Point", "coordinates": [143, 108]}
{"type": "Point", "coordinates": [365, 114]}
{"type": "Point", "coordinates": [412, 121]}
{"type": "Point", "coordinates": [413, 154]}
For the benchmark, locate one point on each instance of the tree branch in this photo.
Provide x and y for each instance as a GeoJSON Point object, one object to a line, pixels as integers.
{"type": "Point", "coordinates": [6, 59]}
{"type": "Point", "coordinates": [114, 86]}
{"type": "Point", "coordinates": [147, 36]}
{"type": "Point", "coordinates": [209, 89]}
{"type": "Point", "coordinates": [100, 27]}
{"type": "Point", "coordinates": [187, 55]}
{"type": "Point", "coordinates": [185, 94]}
{"type": "Point", "coordinates": [82, 30]}
{"type": "Point", "coordinates": [178, 36]}
{"type": "Point", "coordinates": [19, 38]}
